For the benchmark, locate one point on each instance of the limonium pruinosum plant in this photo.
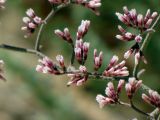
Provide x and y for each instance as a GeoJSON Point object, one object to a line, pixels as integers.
{"type": "Point", "coordinates": [80, 74]}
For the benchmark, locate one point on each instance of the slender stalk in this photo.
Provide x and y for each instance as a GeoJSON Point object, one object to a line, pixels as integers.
{"type": "Point", "coordinates": [24, 50]}
{"type": "Point", "coordinates": [131, 105]}
{"type": "Point", "coordinates": [137, 109]}
{"type": "Point", "coordinates": [50, 15]}
{"type": "Point", "coordinates": [144, 44]}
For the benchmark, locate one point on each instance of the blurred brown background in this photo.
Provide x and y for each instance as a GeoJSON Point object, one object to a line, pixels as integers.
{"type": "Point", "coordinates": [28, 95]}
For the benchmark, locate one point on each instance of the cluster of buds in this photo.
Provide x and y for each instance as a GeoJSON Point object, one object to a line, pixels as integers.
{"type": "Point", "coordinates": [132, 86]}
{"type": "Point", "coordinates": [60, 60]}
{"type": "Point", "coordinates": [31, 22]}
{"type": "Point", "coordinates": [91, 4]}
{"type": "Point", "coordinates": [79, 77]}
{"type": "Point", "coordinates": [58, 1]}
{"type": "Point", "coordinates": [2, 2]}
{"type": "Point", "coordinates": [81, 51]}
{"type": "Point", "coordinates": [115, 69]}
{"type": "Point", "coordinates": [1, 70]}
{"type": "Point", "coordinates": [132, 19]}
{"type": "Point", "coordinates": [112, 94]}
{"type": "Point", "coordinates": [97, 59]}
{"type": "Point", "coordinates": [83, 29]}
{"type": "Point", "coordinates": [127, 36]}
{"type": "Point", "coordinates": [65, 35]}
{"type": "Point", "coordinates": [153, 98]}
{"type": "Point", "coordinates": [138, 54]}
{"type": "Point", "coordinates": [47, 66]}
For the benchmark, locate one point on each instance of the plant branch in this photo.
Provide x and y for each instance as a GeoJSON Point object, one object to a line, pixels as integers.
{"type": "Point", "coordinates": [144, 44]}
{"type": "Point", "coordinates": [24, 50]}
{"type": "Point", "coordinates": [50, 15]}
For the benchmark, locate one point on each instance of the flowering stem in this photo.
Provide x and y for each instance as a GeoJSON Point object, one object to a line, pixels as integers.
{"type": "Point", "coordinates": [52, 13]}
{"type": "Point", "coordinates": [144, 44]}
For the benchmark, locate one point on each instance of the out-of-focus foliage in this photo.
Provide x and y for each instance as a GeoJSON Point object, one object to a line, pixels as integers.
{"type": "Point", "coordinates": [28, 95]}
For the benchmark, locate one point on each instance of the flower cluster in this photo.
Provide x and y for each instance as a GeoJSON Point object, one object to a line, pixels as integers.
{"type": "Point", "coordinates": [80, 48]}
{"type": "Point", "coordinates": [1, 70]}
{"type": "Point", "coordinates": [79, 77]}
{"type": "Point", "coordinates": [112, 94]}
{"type": "Point", "coordinates": [81, 51]}
{"type": "Point", "coordinates": [115, 69]}
{"type": "Point", "coordinates": [136, 21]}
{"type": "Point", "coordinates": [47, 66]}
{"type": "Point", "coordinates": [97, 59]}
{"type": "Point", "coordinates": [58, 1]}
{"type": "Point", "coordinates": [132, 86]}
{"type": "Point", "coordinates": [153, 98]}
{"type": "Point", "coordinates": [127, 36]}
{"type": "Point", "coordinates": [65, 35]}
{"type": "Point", "coordinates": [31, 22]}
{"type": "Point", "coordinates": [91, 4]}
{"type": "Point", "coordinates": [2, 2]}
{"type": "Point", "coordinates": [132, 19]}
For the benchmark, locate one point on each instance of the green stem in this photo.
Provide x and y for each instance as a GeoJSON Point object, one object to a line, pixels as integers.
{"type": "Point", "coordinates": [50, 15]}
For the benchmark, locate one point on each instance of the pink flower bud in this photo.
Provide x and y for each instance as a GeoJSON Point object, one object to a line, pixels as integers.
{"type": "Point", "coordinates": [30, 12]}
{"type": "Point", "coordinates": [137, 58]}
{"type": "Point", "coordinates": [154, 15]}
{"type": "Point", "coordinates": [83, 29]}
{"type": "Point", "coordinates": [120, 85]}
{"type": "Point", "coordinates": [103, 100]}
{"type": "Point", "coordinates": [138, 38]}
{"type": "Point", "coordinates": [125, 9]}
{"type": "Point", "coordinates": [60, 59]}
{"type": "Point", "coordinates": [128, 53]}
{"type": "Point", "coordinates": [78, 54]}
{"type": "Point", "coordinates": [148, 23]}
{"type": "Point", "coordinates": [122, 30]}
{"type": "Point", "coordinates": [83, 69]}
{"type": "Point", "coordinates": [140, 20]}
{"type": "Point", "coordinates": [26, 20]}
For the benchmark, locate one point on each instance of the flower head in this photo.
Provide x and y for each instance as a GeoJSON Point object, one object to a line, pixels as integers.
{"type": "Point", "coordinates": [78, 78]}
{"type": "Point", "coordinates": [83, 29]}
{"type": "Point", "coordinates": [31, 22]}
{"type": "Point", "coordinates": [114, 69]}
{"type": "Point", "coordinates": [153, 98]}
{"type": "Point", "coordinates": [47, 66]}
{"type": "Point", "coordinates": [97, 59]}
{"type": "Point", "coordinates": [65, 35]}
{"type": "Point", "coordinates": [132, 86]}
{"type": "Point", "coordinates": [133, 19]}
{"type": "Point", "coordinates": [112, 94]}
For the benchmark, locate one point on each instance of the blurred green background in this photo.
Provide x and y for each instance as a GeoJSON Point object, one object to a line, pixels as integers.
{"type": "Point", "coordinates": [28, 95]}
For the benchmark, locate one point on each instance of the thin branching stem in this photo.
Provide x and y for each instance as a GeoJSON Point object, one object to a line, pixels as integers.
{"type": "Point", "coordinates": [146, 40]}
{"type": "Point", "coordinates": [49, 16]}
